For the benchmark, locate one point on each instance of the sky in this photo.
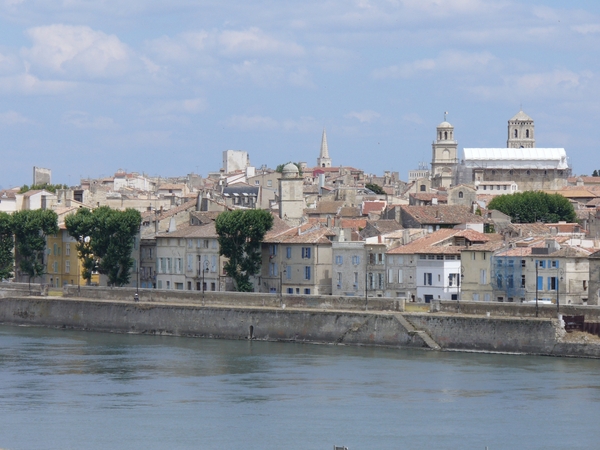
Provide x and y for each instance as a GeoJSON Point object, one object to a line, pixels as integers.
{"type": "Point", "coordinates": [164, 87]}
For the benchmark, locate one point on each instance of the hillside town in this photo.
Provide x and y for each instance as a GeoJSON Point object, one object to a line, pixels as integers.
{"type": "Point", "coordinates": [343, 232]}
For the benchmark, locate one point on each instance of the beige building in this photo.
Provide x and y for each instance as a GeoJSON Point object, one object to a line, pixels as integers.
{"type": "Point", "coordinates": [444, 156]}
{"type": "Point", "coordinates": [476, 270]}
{"type": "Point", "coordinates": [297, 261]}
{"type": "Point", "coordinates": [188, 259]}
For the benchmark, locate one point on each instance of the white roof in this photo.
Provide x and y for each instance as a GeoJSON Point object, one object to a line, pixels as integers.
{"type": "Point", "coordinates": [535, 158]}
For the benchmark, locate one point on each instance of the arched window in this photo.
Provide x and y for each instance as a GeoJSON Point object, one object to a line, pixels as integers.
{"type": "Point", "coordinates": [526, 133]}
{"type": "Point", "coordinates": [516, 133]}
{"type": "Point", "coordinates": [440, 135]}
{"type": "Point", "coordinates": [460, 194]}
{"type": "Point", "coordinates": [423, 188]}
{"type": "Point", "coordinates": [445, 135]}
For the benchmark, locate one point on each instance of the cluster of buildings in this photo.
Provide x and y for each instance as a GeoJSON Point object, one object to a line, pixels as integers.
{"type": "Point", "coordinates": [431, 237]}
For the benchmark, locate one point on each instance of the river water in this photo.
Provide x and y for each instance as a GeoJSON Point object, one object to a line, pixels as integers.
{"type": "Point", "coordinates": [74, 390]}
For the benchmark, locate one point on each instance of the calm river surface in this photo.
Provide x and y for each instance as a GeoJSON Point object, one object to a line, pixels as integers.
{"type": "Point", "coordinates": [75, 390]}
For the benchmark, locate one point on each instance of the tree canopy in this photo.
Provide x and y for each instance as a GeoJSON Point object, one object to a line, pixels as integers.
{"type": "Point", "coordinates": [375, 188]}
{"type": "Point", "coordinates": [240, 236]}
{"type": "Point", "coordinates": [7, 244]}
{"type": "Point", "coordinates": [280, 167]}
{"type": "Point", "coordinates": [30, 228]}
{"type": "Point", "coordinates": [48, 187]}
{"type": "Point", "coordinates": [111, 240]}
{"type": "Point", "coordinates": [534, 206]}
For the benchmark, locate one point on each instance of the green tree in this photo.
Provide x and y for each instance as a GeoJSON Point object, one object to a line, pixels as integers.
{"type": "Point", "coordinates": [375, 188]}
{"type": "Point", "coordinates": [595, 173]}
{"type": "Point", "coordinates": [48, 187]}
{"type": "Point", "coordinates": [7, 243]}
{"type": "Point", "coordinates": [111, 239]}
{"type": "Point", "coordinates": [240, 236]}
{"type": "Point", "coordinates": [280, 167]}
{"type": "Point", "coordinates": [534, 206]}
{"type": "Point", "coordinates": [30, 228]}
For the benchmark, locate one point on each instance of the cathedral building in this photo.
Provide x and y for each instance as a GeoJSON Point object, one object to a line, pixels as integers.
{"type": "Point", "coordinates": [521, 162]}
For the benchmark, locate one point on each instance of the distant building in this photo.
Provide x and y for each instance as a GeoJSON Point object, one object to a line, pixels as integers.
{"type": "Point", "coordinates": [234, 160]}
{"type": "Point", "coordinates": [324, 160]}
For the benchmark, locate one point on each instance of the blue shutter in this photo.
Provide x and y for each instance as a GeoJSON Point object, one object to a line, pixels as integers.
{"type": "Point", "coordinates": [540, 283]}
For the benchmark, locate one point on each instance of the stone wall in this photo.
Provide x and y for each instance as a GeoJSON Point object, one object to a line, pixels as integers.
{"type": "Point", "coordinates": [235, 299]}
{"type": "Point", "coordinates": [495, 309]}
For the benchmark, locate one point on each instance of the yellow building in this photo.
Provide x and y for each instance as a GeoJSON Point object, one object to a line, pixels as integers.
{"type": "Point", "coordinates": [62, 265]}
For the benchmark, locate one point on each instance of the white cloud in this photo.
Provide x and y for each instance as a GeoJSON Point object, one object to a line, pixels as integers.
{"type": "Point", "coordinates": [252, 123]}
{"type": "Point", "coordinates": [26, 83]}
{"type": "Point", "coordinates": [588, 28]}
{"type": "Point", "coordinates": [365, 116]}
{"type": "Point", "coordinates": [78, 49]}
{"type": "Point", "coordinates": [265, 123]}
{"type": "Point", "coordinates": [413, 118]}
{"type": "Point", "coordinates": [255, 42]}
{"type": "Point", "coordinates": [13, 118]}
{"type": "Point", "coordinates": [455, 61]}
{"type": "Point", "coordinates": [80, 119]}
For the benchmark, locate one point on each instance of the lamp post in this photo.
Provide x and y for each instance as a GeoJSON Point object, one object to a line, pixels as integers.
{"type": "Point", "coordinates": [281, 272]}
{"type": "Point", "coordinates": [85, 240]}
{"type": "Point", "coordinates": [561, 277]}
{"type": "Point", "coordinates": [536, 288]}
{"type": "Point", "coordinates": [366, 290]}
{"type": "Point", "coordinates": [203, 286]}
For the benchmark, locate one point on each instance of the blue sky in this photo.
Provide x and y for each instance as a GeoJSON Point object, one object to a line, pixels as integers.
{"type": "Point", "coordinates": [89, 87]}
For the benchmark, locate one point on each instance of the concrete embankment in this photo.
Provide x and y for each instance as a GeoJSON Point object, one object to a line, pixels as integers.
{"type": "Point", "coordinates": [317, 324]}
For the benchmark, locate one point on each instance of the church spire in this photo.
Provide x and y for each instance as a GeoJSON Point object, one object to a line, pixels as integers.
{"type": "Point", "coordinates": [324, 160]}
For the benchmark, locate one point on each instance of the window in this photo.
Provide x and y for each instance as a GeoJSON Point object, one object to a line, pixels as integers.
{"type": "Point", "coordinates": [189, 285]}
{"type": "Point", "coordinates": [205, 243]}
{"type": "Point", "coordinates": [585, 285]}
{"type": "Point", "coordinates": [422, 188]}
{"type": "Point", "coordinates": [168, 284]}
{"type": "Point", "coordinates": [356, 260]}
{"type": "Point", "coordinates": [541, 263]}
{"type": "Point", "coordinates": [190, 243]}
{"type": "Point", "coordinates": [178, 265]}
{"type": "Point", "coordinates": [179, 286]}
{"type": "Point", "coordinates": [159, 284]}
{"type": "Point", "coordinates": [269, 183]}
{"type": "Point", "coordinates": [522, 263]}
{"type": "Point", "coordinates": [190, 262]}
{"type": "Point", "coordinates": [381, 281]}
{"type": "Point", "coordinates": [453, 279]}
{"type": "Point", "coordinates": [475, 297]}
{"type": "Point", "coordinates": [273, 269]}
{"type": "Point", "coordinates": [273, 250]}
{"type": "Point", "coordinates": [460, 194]}
{"type": "Point", "coordinates": [499, 281]}
{"type": "Point", "coordinates": [339, 279]}
{"type": "Point", "coordinates": [68, 250]}
{"type": "Point", "coordinates": [305, 252]}
{"type": "Point", "coordinates": [510, 282]}
{"type": "Point", "coordinates": [483, 276]}
{"type": "Point", "coordinates": [55, 266]}
{"type": "Point", "coordinates": [427, 279]}
{"type": "Point", "coordinates": [307, 272]}
{"type": "Point", "coordinates": [473, 256]}
{"type": "Point", "coordinates": [67, 266]}
{"type": "Point", "coordinates": [288, 252]}
{"type": "Point", "coordinates": [554, 264]}
{"type": "Point", "coordinates": [307, 291]}
{"type": "Point", "coordinates": [339, 260]}
{"type": "Point", "coordinates": [290, 290]}
{"type": "Point", "coordinates": [400, 276]}
{"type": "Point", "coordinates": [355, 280]}
{"type": "Point", "coordinates": [552, 284]}
{"type": "Point", "coordinates": [522, 281]}
{"type": "Point", "coordinates": [288, 272]}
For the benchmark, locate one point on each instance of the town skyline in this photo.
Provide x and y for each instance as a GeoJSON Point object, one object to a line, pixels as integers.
{"type": "Point", "coordinates": [164, 90]}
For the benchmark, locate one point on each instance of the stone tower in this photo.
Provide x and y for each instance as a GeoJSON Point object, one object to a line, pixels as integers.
{"type": "Point", "coordinates": [444, 158]}
{"type": "Point", "coordinates": [291, 195]}
{"type": "Point", "coordinates": [521, 131]}
{"type": "Point", "coordinates": [324, 160]}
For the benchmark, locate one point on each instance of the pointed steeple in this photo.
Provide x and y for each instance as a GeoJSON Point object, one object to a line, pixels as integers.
{"type": "Point", "coordinates": [324, 160]}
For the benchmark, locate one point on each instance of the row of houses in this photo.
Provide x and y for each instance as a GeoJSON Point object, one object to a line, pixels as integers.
{"type": "Point", "coordinates": [418, 264]}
